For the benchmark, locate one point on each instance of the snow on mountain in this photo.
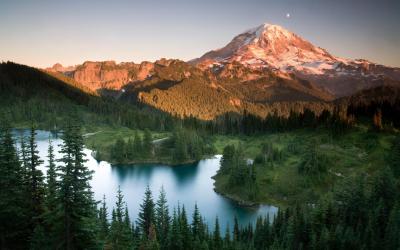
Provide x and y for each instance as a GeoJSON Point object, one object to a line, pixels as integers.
{"type": "Point", "coordinates": [274, 47]}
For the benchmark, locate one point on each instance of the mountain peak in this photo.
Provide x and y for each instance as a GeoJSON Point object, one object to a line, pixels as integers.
{"type": "Point", "coordinates": [272, 46]}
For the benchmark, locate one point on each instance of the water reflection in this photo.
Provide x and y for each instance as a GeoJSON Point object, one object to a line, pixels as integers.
{"type": "Point", "coordinates": [187, 184]}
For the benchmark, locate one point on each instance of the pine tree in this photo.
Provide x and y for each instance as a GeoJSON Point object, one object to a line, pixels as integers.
{"type": "Point", "coordinates": [196, 221]}
{"type": "Point", "coordinates": [217, 241]}
{"type": "Point", "coordinates": [103, 221]}
{"type": "Point", "coordinates": [138, 146]}
{"type": "Point", "coordinates": [51, 187]}
{"type": "Point", "coordinates": [130, 149]}
{"type": "Point", "coordinates": [162, 218]}
{"type": "Point", "coordinates": [24, 157]}
{"type": "Point", "coordinates": [118, 152]}
{"type": "Point", "coordinates": [180, 148]}
{"type": "Point", "coordinates": [227, 158]}
{"type": "Point", "coordinates": [227, 239]}
{"type": "Point", "coordinates": [147, 143]}
{"type": "Point", "coordinates": [35, 179]}
{"type": "Point", "coordinates": [236, 232]}
{"type": "Point", "coordinates": [76, 214]}
{"type": "Point", "coordinates": [146, 215]}
{"type": "Point", "coordinates": [151, 243]}
{"type": "Point", "coordinates": [14, 215]}
{"type": "Point", "coordinates": [175, 237]}
{"type": "Point", "coordinates": [120, 236]}
{"type": "Point", "coordinates": [185, 229]}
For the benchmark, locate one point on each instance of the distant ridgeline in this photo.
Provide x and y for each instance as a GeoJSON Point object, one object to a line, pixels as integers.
{"type": "Point", "coordinates": [47, 98]}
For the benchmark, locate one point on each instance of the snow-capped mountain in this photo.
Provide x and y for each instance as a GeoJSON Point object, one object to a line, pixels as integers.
{"type": "Point", "coordinates": [274, 47]}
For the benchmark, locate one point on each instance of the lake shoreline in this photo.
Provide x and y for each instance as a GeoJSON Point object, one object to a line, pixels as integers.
{"type": "Point", "coordinates": [240, 202]}
{"type": "Point", "coordinates": [167, 162]}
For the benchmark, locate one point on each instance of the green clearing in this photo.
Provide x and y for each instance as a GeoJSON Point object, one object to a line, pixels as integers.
{"type": "Point", "coordinates": [355, 153]}
{"type": "Point", "coordinates": [100, 139]}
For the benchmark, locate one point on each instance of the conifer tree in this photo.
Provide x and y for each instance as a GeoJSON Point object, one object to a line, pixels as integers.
{"type": "Point", "coordinates": [138, 146]}
{"type": "Point", "coordinates": [217, 241]}
{"type": "Point", "coordinates": [175, 237]}
{"type": "Point", "coordinates": [185, 229]}
{"type": "Point", "coordinates": [147, 214]}
{"type": "Point", "coordinates": [51, 182]}
{"type": "Point", "coordinates": [196, 221]}
{"type": "Point", "coordinates": [130, 149]}
{"type": "Point", "coordinates": [35, 178]}
{"type": "Point", "coordinates": [162, 218]}
{"type": "Point", "coordinates": [120, 236]}
{"type": "Point", "coordinates": [76, 214]}
{"type": "Point", "coordinates": [103, 220]}
{"type": "Point", "coordinates": [147, 143]}
{"type": "Point", "coordinates": [14, 215]}
{"type": "Point", "coordinates": [236, 233]}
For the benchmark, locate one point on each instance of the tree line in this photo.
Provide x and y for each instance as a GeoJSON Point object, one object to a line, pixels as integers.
{"type": "Point", "coordinates": [59, 212]}
{"type": "Point", "coordinates": [182, 146]}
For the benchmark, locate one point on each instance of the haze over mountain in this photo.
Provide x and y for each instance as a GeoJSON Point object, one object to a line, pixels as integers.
{"type": "Point", "coordinates": [259, 70]}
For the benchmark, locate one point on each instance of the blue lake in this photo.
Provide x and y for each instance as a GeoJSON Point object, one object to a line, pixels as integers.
{"type": "Point", "coordinates": [185, 185]}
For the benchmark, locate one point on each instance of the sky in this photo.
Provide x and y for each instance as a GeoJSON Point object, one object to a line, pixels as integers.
{"type": "Point", "coordinates": [41, 33]}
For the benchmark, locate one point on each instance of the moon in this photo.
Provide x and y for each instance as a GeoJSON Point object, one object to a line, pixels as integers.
{"type": "Point", "coordinates": [287, 15]}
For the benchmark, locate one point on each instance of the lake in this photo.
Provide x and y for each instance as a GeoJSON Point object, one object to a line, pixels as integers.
{"type": "Point", "coordinates": [184, 184]}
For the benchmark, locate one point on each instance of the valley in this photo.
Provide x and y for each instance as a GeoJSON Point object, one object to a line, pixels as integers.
{"type": "Point", "coordinates": [267, 142]}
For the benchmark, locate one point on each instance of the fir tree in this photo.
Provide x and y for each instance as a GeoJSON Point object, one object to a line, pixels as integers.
{"type": "Point", "coordinates": [103, 221]}
{"type": "Point", "coordinates": [51, 187]}
{"type": "Point", "coordinates": [120, 236]}
{"type": "Point", "coordinates": [147, 143]}
{"type": "Point", "coordinates": [35, 178]}
{"type": "Point", "coordinates": [146, 215]}
{"type": "Point", "coordinates": [76, 214]}
{"type": "Point", "coordinates": [162, 218]}
{"type": "Point", "coordinates": [138, 146]}
{"type": "Point", "coordinates": [14, 215]}
{"type": "Point", "coordinates": [217, 241]}
{"type": "Point", "coordinates": [185, 229]}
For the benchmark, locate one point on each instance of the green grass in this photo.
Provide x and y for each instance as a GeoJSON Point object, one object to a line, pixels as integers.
{"type": "Point", "coordinates": [104, 137]}
{"type": "Point", "coordinates": [357, 152]}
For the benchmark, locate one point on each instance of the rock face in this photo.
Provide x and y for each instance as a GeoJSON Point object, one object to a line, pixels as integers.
{"type": "Point", "coordinates": [106, 75]}
{"type": "Point", "coordinates": [100, 75]}
{"type": "Point", "coordinates": [273, 47]}
{"type": "Point", "coordinates": [264, 70]}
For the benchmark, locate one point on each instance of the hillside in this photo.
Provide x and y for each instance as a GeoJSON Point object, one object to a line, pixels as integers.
{"type": "Point", "coordinates": [49, 98]}
{"type": "Point", "coordinates": [264, 70]}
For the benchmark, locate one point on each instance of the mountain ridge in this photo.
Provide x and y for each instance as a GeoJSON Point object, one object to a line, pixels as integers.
{"type": "Point", "coordinates": [259, 67]}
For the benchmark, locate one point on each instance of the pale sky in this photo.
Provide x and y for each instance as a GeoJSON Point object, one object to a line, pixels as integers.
{"type": "Point", "coordinates": [43, 32]}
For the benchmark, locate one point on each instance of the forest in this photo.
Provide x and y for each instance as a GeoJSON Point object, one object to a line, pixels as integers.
{"type": "Point", "coordinates": [59, 212]}
{"type": "Point", "coordinates": [304, 162]}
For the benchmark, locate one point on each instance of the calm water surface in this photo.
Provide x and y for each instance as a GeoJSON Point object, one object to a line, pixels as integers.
{"type": "Point", "coordinates": [186, 184]}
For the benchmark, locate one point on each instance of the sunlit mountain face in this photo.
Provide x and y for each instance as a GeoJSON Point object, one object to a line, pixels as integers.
{"type": "Point", "coordinates": [264, 66]}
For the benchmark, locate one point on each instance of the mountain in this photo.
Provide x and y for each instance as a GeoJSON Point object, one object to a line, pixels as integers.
{"type": "Point", "coordinates": [183, 89]}
{"type": "Point", "coordinates": [273, 47]}
{"type": "Point", "coordinates": [264, 70]}
{"type": "Point", "coordinates": [50, 99]}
